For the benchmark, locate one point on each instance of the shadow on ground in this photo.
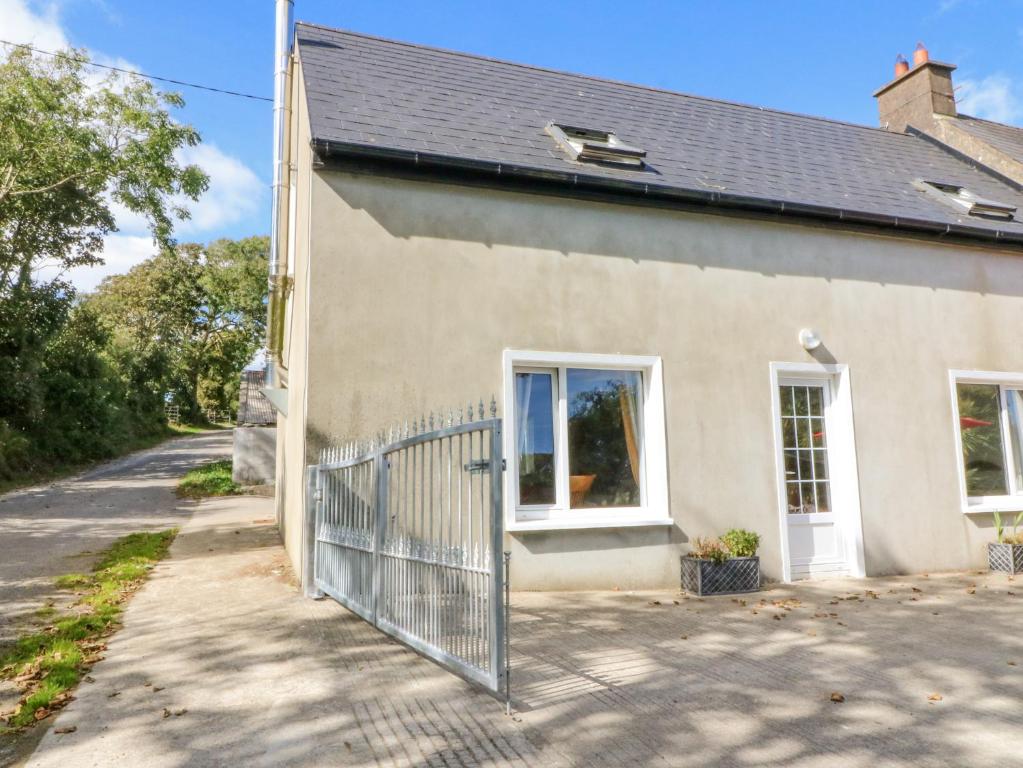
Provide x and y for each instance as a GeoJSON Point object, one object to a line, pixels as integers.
{"type": "Point", "coordinates": [266, 677]}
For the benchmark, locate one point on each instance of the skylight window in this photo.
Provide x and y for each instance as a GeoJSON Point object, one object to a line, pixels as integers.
{"type": "Point", "coordinates": [594, 146]}
{"type": "Point", "coordinates": [966, 200]}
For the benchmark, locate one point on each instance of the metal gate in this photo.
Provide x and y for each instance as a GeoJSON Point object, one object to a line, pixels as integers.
{"type": "Point", "coordinates": [409, 535]}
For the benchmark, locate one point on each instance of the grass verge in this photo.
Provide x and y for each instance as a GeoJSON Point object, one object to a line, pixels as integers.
{"type": "Point", "coordinates": [48, 664]}
{"type": "Point", "coordinates": [213, 479]}
{"type": "Point", "coordinates": [59, 471]}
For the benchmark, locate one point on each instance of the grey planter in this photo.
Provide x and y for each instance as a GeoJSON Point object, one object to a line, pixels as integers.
{"type": "Point", "coordinates": [1007, 558]}
{"type": "Point", "coordinates": [732, 577]}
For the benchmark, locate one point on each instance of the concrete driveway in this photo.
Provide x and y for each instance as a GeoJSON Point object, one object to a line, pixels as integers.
{"type": "Point", "coordinates": [53, 529]}
{"type": "Point", "coordinates": [221, 662]}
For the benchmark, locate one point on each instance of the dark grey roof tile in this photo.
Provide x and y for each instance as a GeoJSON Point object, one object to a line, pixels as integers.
{"type": "Point", "coordinates": [364, 90]}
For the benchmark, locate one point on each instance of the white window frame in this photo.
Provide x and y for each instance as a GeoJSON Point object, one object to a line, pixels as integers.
{"type": "Point", "coordinates": [1013, 501]}
{"type": "Point", "coordinates": [653, 509]}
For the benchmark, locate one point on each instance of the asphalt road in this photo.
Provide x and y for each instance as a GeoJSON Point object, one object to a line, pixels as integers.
{"type": "Point", "coordinates": [58, 528]}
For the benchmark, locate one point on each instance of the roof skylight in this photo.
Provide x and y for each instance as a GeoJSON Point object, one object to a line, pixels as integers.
{"type": "Point", "coordinates": [595, 146]}
{"type": "Point", "coordinates": [967, 200]}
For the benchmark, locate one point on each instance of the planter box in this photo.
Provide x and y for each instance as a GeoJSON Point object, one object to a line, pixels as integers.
{"type": "Point", "coordinates": [1007, 558]}
{"type": "Point", "coordinates": [732, 577]}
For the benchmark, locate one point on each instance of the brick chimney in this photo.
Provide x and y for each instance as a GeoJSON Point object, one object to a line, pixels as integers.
{"type": "Point", "coordinates": [915, 97]}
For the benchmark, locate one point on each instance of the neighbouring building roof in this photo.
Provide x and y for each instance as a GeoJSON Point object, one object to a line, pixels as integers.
{"type": "Point", "coordinates": [253, 407]}
{"type": "Point", "coordinates": [1005, 138]}
{"type": "Point", "coordinates": [434, 111]}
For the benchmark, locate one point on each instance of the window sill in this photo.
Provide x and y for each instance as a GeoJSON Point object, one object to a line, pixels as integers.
{"type": "Point", "coordinates": [1008, 505]}
{"type": "Point", "coordinates": [525, 526]}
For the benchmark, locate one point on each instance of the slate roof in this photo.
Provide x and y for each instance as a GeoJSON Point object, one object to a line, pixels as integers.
{"type": "Point", "coordinates": [386, 101]}
{"type": "Point", "coordinates": [253, 407]}
{"type": "Point", "coordinates": [1005, 138]}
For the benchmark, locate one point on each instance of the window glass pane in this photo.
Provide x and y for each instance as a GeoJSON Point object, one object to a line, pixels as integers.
{"type": "Point", "coordinates": [534, 436]}
{"type": "Point", "coordinates": [804, 441]}
{"type": "Point", "coordinates": [604, 438]}
{"type": "Point", "coordinates": [1014, 401]}
{"type": "Point", "coordinates": [983, 455]}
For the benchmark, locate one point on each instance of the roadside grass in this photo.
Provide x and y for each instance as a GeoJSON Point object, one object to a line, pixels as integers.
{"type": "Point", "coordinates": [51, 473]}
{"type": "Point", "coordinates": [49, 663]}
{"type": "Point", "coordinates": [213, 479]}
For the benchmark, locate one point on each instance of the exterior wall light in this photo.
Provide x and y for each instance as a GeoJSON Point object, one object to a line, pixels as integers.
{"type": "Point", "coordinates": [809, 339]}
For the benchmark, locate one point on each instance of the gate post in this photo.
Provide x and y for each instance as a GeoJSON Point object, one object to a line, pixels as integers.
{"type": "Point", "coordinates": [380, 467]}
{"type": "Point", "coordinates": [310, 524]}
{"type": "Point", "coordinates": [497, 567]}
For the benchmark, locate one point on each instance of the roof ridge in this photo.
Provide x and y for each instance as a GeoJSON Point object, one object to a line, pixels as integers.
{"type": "Point", "coordinates": [604, 80]}
{"type": "Point", "coordinates": [989, 122]}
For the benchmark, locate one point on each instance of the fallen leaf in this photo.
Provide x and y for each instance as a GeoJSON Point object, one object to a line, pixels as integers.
{"type": "Point", "coordinates": [655, 602]}
{"type": "Point", "coordinates": [777, 617]}
{"type": "Point", "coordinates": [348, 746]}
{"type": "Point", "coordinates": [157, 688]}
{"type": "Point", "coordinates": [1011, 663]}
{"type": "Point", "coordinates": [840, 623]}
{"type": "Point", "coordinates": [971, 591]}
{"type": "Point", "coordinates": [147, 684]}
{"type": "Point", "coordinates": [935, 697]}
{"type": "Point", "coordinates": [837, 697]}
{"type": "Point", "coordinates": [114, 693]}
{"type": "Point", "coordinates": [686, 637]}
{"type": "Point", "coordinates": [41, 713]}
{"type": "Point", "coordinates": [89, 679]}
{"type": "Point", "coordinates": [66, 729]}
{"type": "Point", "coordinates": [166, 712]}
{"type": "Point", "coordinates": [179, 712]}
{"type": "Point", "coordinates": [676, 602]}
{"type": "Point", "coordinates": [917, 589]}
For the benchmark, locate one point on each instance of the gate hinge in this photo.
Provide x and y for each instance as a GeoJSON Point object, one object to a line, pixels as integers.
{"type": "Point", "coordinates": [504, 464]}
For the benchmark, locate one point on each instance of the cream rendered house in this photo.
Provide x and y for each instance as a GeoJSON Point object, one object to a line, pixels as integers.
{"type": "Point", "coordinates": [693, 314]}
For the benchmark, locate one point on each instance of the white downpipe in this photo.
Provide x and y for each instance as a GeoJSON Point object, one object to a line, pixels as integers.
{"type": "Point", "coordinates": [282, 51]}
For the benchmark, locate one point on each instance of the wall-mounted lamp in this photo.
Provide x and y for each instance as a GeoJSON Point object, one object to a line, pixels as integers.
{"type": "Point", "coordinates": [809, 339]}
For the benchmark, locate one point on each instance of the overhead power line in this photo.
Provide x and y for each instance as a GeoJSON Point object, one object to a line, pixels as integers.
{"type": "Point", "coordinates": [171, 80]}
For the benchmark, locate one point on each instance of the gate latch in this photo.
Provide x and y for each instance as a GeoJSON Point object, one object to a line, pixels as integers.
{"type": "Point", "coordinates": [478, 466]}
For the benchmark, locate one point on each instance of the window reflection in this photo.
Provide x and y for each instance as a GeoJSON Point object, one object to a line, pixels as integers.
{"type": "Point", "coordinates": [604, 438]}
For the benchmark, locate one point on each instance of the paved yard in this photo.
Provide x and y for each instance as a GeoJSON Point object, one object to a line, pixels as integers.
{"type": "Point", "coordinates": [56, 528]}
{"type": "Point", "coordinates": [222, 662]}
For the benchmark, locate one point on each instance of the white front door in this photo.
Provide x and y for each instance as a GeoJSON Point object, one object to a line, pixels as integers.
{"type": "Point", "coordinates": [813, 526]}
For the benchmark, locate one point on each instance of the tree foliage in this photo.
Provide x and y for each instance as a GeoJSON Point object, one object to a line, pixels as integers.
{"type": "Point", "coordinates": [73, 149]}
{"type": "Point", "coordinates": [186, 321]}
{"type": "Point", "coordinates": [70, 148]}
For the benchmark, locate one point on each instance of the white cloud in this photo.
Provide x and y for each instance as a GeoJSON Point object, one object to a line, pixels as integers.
{"type": "Point", "coordinates": [235, 192]}
{"type": "Point", "coordinates": [120, 253]}
{"type": "Point", "coordinates": [994, 97]}
{"type": "Point", "coordinates": [37, 24]}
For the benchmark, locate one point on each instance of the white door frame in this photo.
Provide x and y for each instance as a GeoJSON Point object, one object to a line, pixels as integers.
{"type": "Point", "coordinates": [845, 484]}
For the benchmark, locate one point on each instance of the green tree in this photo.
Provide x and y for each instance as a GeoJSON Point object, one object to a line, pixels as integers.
{"type": "Point", "coordinates": [186, 321]}
{"type": "Point", "coordinates": [71, 148]}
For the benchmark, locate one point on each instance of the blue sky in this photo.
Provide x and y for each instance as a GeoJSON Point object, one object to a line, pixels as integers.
{"type": "Point", "coordinates": [822, 58]}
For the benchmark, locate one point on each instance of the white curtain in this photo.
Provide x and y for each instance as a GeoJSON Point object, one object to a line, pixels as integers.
{"type": "Point", "coordinates": [524, 436]}
{"type": "Point", "coordinates": [1014, 400]}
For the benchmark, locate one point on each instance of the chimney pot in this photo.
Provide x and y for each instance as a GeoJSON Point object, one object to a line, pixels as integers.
{"type": "Point", "coordinates": [901, 66]}
{"type": "Point", "coordinates": [920, 55]}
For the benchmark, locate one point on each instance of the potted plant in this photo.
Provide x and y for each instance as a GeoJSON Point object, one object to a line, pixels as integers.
{"type": "Point", "coordinates": [1006, 553]}
{"type": "Point", "coordinates": [723, 566]}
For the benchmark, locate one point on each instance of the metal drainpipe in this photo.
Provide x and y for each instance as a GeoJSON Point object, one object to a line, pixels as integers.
{"type": "Point", "coordinates": [282, 51]}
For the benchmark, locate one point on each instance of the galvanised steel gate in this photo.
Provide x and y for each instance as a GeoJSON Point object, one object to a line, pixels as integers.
{"type": "Point", "coordinates": [409, 534]}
